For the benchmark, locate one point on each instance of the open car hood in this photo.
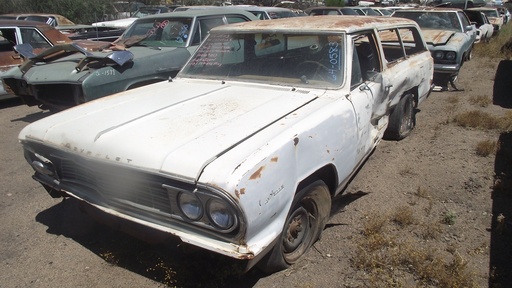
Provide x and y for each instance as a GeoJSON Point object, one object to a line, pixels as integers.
{"type": "Point", "coordinates": [61, 51]}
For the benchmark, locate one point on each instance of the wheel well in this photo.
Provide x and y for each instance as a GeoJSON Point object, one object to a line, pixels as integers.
{"type": "Point", "coordinates": [414, 92]}
{"type": "Point", "coordinates": [327, 174]}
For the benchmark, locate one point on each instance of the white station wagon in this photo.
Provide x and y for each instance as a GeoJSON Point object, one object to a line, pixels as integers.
{"type": "Point", "coordinates": [242, 152]}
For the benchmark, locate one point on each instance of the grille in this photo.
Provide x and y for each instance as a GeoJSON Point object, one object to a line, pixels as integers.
{"type": "Point", "coordinates": [114, 186]}
{"type": "Point", "coordinates": [143, 195]}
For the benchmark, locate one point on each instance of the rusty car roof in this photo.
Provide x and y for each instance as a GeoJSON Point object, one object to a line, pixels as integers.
{"type": "Point", "coordinates": [327, 23]}
{"type": "Point", "coordinates": [18, 23]}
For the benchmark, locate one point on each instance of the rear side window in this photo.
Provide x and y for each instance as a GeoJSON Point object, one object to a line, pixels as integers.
{"type": "Point", "coordinates": [34, 38]}
{"type": "Point", "coordinates": [401, 43]}
{"type": "Point", "coordinates": [204, 26]}
{"type": "Point", "coordinates": [235, 19]}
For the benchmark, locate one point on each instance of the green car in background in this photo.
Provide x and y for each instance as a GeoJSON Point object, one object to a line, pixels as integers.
{"type": "Point", "coordinates": [152, 49]}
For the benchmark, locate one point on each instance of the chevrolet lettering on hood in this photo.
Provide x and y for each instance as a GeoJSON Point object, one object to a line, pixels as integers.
{"type": "Point", "coordinates": [242, 152]}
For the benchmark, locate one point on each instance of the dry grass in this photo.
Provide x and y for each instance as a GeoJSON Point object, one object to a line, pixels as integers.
{"type": "Point", "coordinates": [486, 148]}
{"type": "Point", "coordinates": [403, 216]}
{"type": "Point", "coordinates": [493, 48]}
{"type": "Point", "coordinates": [449, 218]}
{"type": "Point", "coordinates": [484, 120]}
{"type": "Point", "coordinates": [481, 101]}
{"type": "Point", "coordinates": [387, 260]}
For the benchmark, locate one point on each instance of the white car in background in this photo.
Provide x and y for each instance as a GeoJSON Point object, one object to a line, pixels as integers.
{"type": "Point", "coordinates": [124, 23]}
{"type": "Point", "coordinates": [493, 15]}
{"type": "Point", "coordinates": [485, 30]}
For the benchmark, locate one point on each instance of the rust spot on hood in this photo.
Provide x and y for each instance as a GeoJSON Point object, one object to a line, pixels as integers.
{"type": "Point", "coordinates": [257, 174]}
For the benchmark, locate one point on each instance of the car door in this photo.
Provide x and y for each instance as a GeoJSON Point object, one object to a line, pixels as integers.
{"type": "Point", "coordinates": [401, 48]}
{"type": "Point", "coordinates": [366, 89]}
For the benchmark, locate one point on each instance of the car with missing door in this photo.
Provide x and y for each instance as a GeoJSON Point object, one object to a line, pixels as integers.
{"type": "Point", "coordinates": [153, 49]}
{"type": "Point", "coordinates": [241, 152]}
{"type": "Point", "coordinates": [494, 16]}
{"type": "Point", "coordinates": [484, 28]}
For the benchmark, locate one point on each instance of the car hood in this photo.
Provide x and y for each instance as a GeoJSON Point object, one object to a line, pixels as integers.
{"type": "Point", "coordinates": [437, 37]}
{"type": "Point", "coordinates": [67, 69]}
{"type": "Point", "coordinates": [174, 128]}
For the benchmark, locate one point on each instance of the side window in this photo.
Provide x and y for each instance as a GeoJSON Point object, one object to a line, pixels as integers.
{"type": "Point", "coordinates": [7, 40]}
{"type": "Point", "coordinates": [464, 20]}
{"type": "Point", "coordinates": [32, 37]}
{"type": "Point", "coordinates": [204, 26]}
{"type": "Point", "coordinates": [235, 19]}
{"type": "Point", "coordinates": [411, 40]}
{"type": "Point", "coordinates": [366, 58]}
{"type": "Point", "coordinates": [391, 44]}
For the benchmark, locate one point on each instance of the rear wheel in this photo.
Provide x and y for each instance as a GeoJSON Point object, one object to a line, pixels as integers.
{"type": "Point", "coordinates": [305, 222]}
{"type": "Point", "coordinates": [402, 120]}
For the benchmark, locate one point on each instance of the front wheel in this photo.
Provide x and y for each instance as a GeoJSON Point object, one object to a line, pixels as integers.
{"type": "Point", "coordinates": [402, 120]}
{"type": "Point", "coordinates": [304, 224]}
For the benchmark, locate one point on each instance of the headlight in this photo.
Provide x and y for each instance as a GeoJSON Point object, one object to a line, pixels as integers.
{"type": "Point", "coordinates": [190, 206]}
{"type": "Point", "coordinates": [220, 214]}
{"type": "Point", "coordinates": [450, 55]}
{"type": "Point", "coordinates": [438, 55]}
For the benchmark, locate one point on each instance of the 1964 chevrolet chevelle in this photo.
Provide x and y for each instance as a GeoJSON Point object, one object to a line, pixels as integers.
{"type": "Point", "coordinates": [241, 153]}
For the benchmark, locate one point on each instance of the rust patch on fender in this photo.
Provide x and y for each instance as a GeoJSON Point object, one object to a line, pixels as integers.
{"type": "Point", "coordinates": [274, 159]}
{"type": "Point", "coordinates": [239, 193]}
{"type": "Point", "coordinates": [257, 174]}
{"type": "Point", "coordinates": [295, 141]}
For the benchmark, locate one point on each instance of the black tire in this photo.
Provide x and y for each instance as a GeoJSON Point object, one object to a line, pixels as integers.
{"type": "Point", "coordinates": [402, 120]}
{"type": "Point", "coordinates": [470, 55]}
{"type": "Point", "coordinates": [305, 222]}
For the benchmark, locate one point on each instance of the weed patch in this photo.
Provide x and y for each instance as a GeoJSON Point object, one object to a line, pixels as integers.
{"type": "Point", "coordinates": [485, 148]}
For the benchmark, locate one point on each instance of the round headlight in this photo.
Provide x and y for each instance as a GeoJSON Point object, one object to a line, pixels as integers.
{"type": "Point", "coordinates": [190, 206]}
{"type": "Point", "coordinates": [220, 214]}
{"type": "Point", "coordinates": [450, 55]}
{"type": "Point", "coordinates": [438, 55]}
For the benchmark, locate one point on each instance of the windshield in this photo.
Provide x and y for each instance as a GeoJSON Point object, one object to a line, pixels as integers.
{"type": "Point", "coordinates": [491, 13]}
{"type": "Point", "coordinates": [146, 11]}
{"type": "Point", "coordinates": [161, 32]}
{"type": "Point", "coordinates": [288, 59]}
{"type": "Point", "coordinates": [433, 20]}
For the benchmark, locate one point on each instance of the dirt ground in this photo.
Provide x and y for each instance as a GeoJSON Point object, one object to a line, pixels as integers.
{"type": "Point", "coordinates": [434, 177]}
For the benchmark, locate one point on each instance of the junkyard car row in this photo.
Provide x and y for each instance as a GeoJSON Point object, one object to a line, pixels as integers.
{"type": "Point", "coordinates": [242, 150]}
{"type": "Point", "coordinates": [153, 49]}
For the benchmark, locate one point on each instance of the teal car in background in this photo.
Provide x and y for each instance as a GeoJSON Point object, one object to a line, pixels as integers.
{"type": "Point", "coordinates": [152, 49]}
